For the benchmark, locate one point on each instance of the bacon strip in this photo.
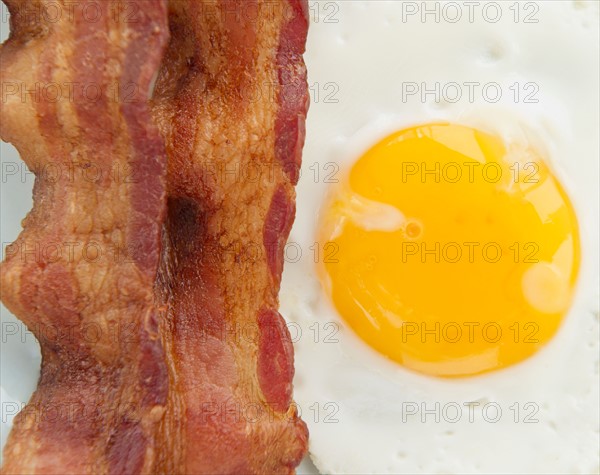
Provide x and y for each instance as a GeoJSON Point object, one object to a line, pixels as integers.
{"type": "Point", "coordinates": [81, 274]}
{"type": "Point", "coordinates": [221, 99]}
{"type": "Point", "coordinates": [190, 366]}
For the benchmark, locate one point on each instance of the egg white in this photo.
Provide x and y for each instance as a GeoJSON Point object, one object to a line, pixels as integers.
{"type": "Point", "coordinates": [355, 401]}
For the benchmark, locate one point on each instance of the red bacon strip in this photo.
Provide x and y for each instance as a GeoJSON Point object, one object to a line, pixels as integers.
{"type": "Point", "coordinates": [103, 385]}
{"type": "Point", "coordinates": [236, 397]}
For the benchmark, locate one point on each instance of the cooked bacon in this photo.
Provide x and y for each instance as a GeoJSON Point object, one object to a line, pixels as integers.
{"type": "Point", "coordinates": [152, 287]}
{"type": "Point", "coordinates": [86, 261]}
{"type": "Point", "coordinates": [220, 101]}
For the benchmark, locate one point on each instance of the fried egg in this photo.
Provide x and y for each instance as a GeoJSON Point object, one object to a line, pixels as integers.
{"type": "Point", "coordinates": [441, 283]}
{"type": "Point", "coordinates": [505, 249]}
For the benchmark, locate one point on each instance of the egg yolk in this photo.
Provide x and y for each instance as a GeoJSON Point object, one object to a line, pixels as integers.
{"type": "Point", "coordinates": [449, 251]}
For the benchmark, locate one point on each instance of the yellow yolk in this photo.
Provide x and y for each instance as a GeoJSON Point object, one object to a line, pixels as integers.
{"type": "Point", "coordinates": [449, 251]}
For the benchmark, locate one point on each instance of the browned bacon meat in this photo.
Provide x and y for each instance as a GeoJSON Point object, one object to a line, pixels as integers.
{"type": "Point", "coordinates": [231, 98]}
{"type": "Point", "coordinates": [151, 282]}
{"type": "Point", "coordinates": [81, 274]}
